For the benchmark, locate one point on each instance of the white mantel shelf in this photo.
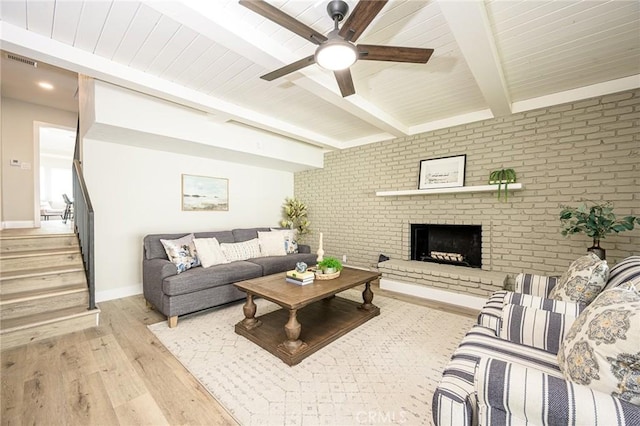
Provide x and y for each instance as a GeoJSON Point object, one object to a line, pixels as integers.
{"type": "Point", "coordinates": [456, 190]}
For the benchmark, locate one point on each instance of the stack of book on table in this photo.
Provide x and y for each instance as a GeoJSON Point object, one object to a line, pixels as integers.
{"type": "Point", "coordinates": [300, 278]}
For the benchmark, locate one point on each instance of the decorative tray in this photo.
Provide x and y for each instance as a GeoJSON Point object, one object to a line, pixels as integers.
{"type": "Point", "coordinates": [327, 276]}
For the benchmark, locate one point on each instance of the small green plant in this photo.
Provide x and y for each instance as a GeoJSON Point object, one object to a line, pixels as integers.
{"type": "Point", "coordinates": [502, 176]}
{"type": "Point", "coordinates": [330, 263]}
{"type": "Point", "coordinates": [596, 220]}
{"type": "Point", "coordinates": [294, 214]}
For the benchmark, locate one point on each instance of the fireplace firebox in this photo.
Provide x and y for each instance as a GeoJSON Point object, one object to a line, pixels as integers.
{"type": "Point", "coordinates": [449, 244]}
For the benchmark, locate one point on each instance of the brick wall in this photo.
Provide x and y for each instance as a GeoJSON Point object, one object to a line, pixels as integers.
{"type": "Point", "coordinates": [562, 154]}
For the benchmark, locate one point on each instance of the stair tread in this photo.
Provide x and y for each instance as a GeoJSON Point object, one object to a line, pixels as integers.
{"type": "Point", "coordinates": [42, 292]}
{"type": "Point", "coordinates": [39, 272]}
{"type": "Point", "coordinates": [23, 234]}
{"type": "Point", "coordinates": [13, 324]}
{"type": "Point", "coordinates": [37, 253]}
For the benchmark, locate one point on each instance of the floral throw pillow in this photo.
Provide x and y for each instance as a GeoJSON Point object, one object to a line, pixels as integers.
{"type": "Point", "coordinates": [290, 243]}
{"type": "Point", "coordinates": [181, 252]}
{"type": "Point", "coordinates": [583, 281]}
{"type": "Point", "coordinates": [602, 348]}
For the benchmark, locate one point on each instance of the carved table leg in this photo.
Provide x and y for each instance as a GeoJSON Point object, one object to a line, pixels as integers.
{"type": "Point", "coordinates": [250, 322]}
{"type": "Point", "coordinates": [292, 329]}
{"type": "Point", "coordinates": [367, 296]}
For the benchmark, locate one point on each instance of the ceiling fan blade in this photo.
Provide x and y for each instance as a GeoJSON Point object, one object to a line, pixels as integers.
{"type": "Point", "coordinates": [360, 18]}
{"type": "Point", "coordinates": [287, 69]}
{"type": "Point", "coordinates": [279, 17]}
{"type": "Point", "coordinates": [345, 82]}
{"type": "Point", "coordinates": [370, 52]}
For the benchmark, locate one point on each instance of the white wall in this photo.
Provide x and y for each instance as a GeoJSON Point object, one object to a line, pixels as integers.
{"type": "Point", "coordinates": [137, 191]}
{"type": "Point", "coordinates": [135, 148]}
{"type": "Point", "coordinates": [18, 209]}
{"type": "Point", "coordinates": [47, 164]}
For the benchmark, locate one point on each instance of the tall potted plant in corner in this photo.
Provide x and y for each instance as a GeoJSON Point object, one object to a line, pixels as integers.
{"type": "Point", "coordinates": [502, 177]}
{"type": "Point", "coordinates": [294, 214]}
{"type": "Point", "coordinates": [596, 220]}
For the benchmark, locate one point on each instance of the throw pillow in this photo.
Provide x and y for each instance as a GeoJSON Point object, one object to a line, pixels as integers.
{"type": "Point", "coordinates": [181, 252]}
{"type": "Point", "coordinates": [537, 302]}
{"type": "Point", "coordinates": [290, 243]}
{"type": "Point", "coordinates": [209, 252]}
{"type": "Point", "coordinates": [534, 327]}
{"type": "Point", "coordinates": [272, 243]}
{"type": "Point", "coordinates": [583, 281]}
{"type": "Point", "coordinates": [241, 251]}
{"type": "Point", "coordinates": [602, 348]}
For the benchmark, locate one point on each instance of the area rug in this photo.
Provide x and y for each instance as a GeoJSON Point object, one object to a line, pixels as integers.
{"type": "Point", "coordinates": [383, 372]}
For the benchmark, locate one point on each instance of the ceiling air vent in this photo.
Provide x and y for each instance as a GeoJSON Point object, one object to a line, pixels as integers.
{"type": "Point", "coordinates": [27, 61]}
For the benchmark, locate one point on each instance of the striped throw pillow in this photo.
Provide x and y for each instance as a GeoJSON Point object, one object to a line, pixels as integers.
{"type": "Point", "coordinates": [534, 327]}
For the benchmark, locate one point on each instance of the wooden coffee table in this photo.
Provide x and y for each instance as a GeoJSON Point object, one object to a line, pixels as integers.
{"type": "Point", "coordinates": [311, 316]}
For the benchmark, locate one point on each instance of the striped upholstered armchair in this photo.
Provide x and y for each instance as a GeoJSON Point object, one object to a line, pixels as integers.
{"type": "Point", "coordinates": [534, 291]}
{"type": "Point", "coordinates": [506, 370]}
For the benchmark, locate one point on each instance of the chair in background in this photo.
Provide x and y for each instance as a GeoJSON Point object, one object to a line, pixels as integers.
{"type": "Point", "coordinates": [46, 211]}
{"type": "Point", "coordinates": [68, 210]}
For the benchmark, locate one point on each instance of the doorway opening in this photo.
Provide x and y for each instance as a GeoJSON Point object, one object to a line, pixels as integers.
{"type": "Point", "coordinates": [55, 160]}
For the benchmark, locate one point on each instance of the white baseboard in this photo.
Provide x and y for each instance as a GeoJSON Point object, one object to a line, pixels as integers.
{"type": "Point", "coordinates": [430, 293]}
{"type": "Point", "coordinates": [18, 224]}
{"type": "Point", "coordinates": [118, 293]}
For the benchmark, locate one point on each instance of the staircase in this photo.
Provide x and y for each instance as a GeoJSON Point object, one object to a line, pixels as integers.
{"type": "Point", "coordinates": [43, 287]}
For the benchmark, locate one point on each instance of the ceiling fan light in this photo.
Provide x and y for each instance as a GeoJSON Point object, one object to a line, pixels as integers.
{"type": "Point", "coordinates": [335, 55]}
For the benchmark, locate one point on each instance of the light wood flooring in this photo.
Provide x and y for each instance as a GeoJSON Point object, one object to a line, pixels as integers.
{"type": "Point", "coordinates": [115, 374]}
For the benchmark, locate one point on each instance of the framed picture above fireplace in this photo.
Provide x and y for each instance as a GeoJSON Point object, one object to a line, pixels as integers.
{"type": "Point", "coordinates": [444, 172]}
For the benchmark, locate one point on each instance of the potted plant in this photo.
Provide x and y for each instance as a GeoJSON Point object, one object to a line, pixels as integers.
{"type": "Point", "coordinates": [329, 265]}
{"type": "Point", "coordinates": [596, 220]}
{"type": "Point", "coordinates": [294, 214]}
{"type": "Point", "coordinates": [500, 177]}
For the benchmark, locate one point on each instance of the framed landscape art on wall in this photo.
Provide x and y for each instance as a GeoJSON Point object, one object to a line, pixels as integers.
{"type": "Point", "coordinates": [203, 193]}
{"type": "Point", "coordinates": [445, 172]}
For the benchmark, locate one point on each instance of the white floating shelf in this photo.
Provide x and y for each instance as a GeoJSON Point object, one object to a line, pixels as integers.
{"type": "Point", "coordinates": [456, 190]}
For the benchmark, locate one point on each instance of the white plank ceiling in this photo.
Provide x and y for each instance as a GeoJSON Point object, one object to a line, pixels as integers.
{"type": "Point", "coordinates": [491, 57]}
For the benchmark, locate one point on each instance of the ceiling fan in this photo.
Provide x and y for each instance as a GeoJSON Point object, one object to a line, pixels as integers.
{"type": "Point", "coordinates": [336, 51]}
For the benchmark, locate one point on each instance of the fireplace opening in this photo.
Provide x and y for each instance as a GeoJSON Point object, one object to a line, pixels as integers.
{"type": "Point", "coordinates": [448, 244]}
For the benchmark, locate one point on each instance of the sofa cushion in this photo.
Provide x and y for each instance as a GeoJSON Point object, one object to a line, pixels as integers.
{"type": "Point", "coordinates": [536, 285]}
{"type": "Point", "coordinates": [551, 305]}
{"type": "Point", "coordinates": [221, 236]}
{"type": "Point", "coordinates": [534, 327]}
{"type": "Point", "coordinates": [153, 248]}
{"type": "Point", "coordinates": [241, 251]}
{"type": "Point", "coordinates": [196, 279]}
{"type": "Point", "coordinates": [271, 243]}
{"type": "Point", "coordinates": [181, 252]}
{"type": "Point", "coordinates": [246, 234]}
{"type": "Point", "coordinates": [602, 348]}
{"type": "Point", "coordinates": [209, 252]}
{"type": "Point", "coordinates": [625, 270]}
{"type": "Point", "coordinates": [491, 314]}
{"type": "Point", "coordinates": [583, 281]}
{"type": "Point", "coordinates": [276, 264]}
{"type": "Point", "coordinates": [454, 400]}
{"type": "Point", "coordinates": [509, 394]}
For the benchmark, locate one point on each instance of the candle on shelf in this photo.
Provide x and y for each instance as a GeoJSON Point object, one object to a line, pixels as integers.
{"type": "Point", "coordinates": [320, 251]}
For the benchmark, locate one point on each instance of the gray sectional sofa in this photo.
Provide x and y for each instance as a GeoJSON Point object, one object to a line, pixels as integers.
{"type": "Point", "coordinates": [200, 288]}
